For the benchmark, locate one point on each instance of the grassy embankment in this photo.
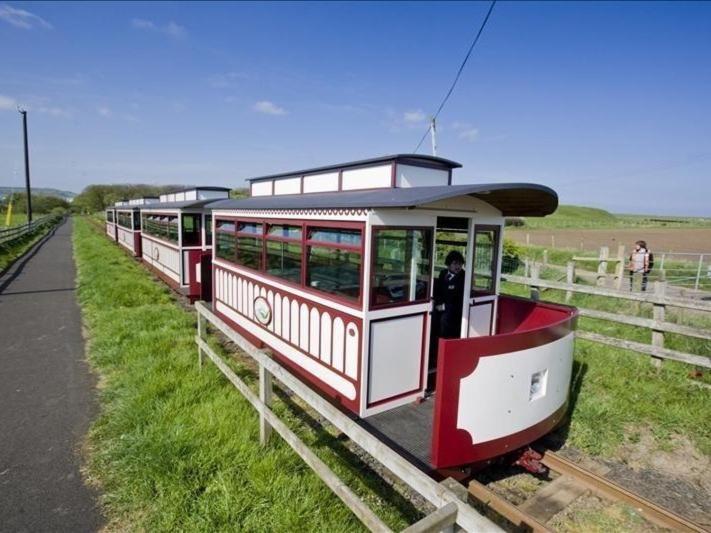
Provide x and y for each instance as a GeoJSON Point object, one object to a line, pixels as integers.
{"type": "Point", "coordinates": [577, 217]}
{"type": "Point", "coordinates": [11, 251]}
{"type": "Point", "coordinates": [621, 394]}
{"type": "Point", "coordinates": [175, 448]}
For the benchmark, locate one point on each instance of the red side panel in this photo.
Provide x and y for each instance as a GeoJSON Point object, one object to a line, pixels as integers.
{"type": "Point", "coordinates": [522, 324]}
{"type": "Point", "coordinates": [194, 286]}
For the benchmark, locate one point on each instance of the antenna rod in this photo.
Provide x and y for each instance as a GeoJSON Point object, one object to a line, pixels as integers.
{"type": "Point", "coordinates": [433, 131]}
{"type": "Point", "coordinates": [27, 166]}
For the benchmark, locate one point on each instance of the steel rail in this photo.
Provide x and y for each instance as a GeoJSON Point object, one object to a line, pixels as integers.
{"type": "Point", "coordinates": [649, 510]}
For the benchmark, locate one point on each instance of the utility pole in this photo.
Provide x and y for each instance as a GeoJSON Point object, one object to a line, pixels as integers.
{"type": "Point", "coordinates": [433, 132]}
{"type": "Point", "coordinates": [27, 166]}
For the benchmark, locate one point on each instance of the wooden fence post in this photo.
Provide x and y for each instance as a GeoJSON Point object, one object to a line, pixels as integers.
{"type": "Point", "coordinates": [602, 265]}
{"type": "Point", "coordinates": [265, 395]}
{"type": "Point", "coordinates": [535, 276]}
{"type": "Point", "coordinates": [553, 241]}
{"type": "Point", "coordinates": [620, 268]}
{"type": "Point", "coordinates": [658, 315]}
{"type": "Point", "coordinates": [545, 257]}
{"type": "Point", "coordinates": [528, 239]}
{"type": "Point", "coordinates": [526, 268]}
{"type": "Point", "coordinates": [201, 331]}
{"type": "Point", "coordinates": [569, 279]}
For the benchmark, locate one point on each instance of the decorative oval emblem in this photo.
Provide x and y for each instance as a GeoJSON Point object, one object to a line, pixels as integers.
{"type": "Point", "coordinates": [156, 253]}
{"type": "Point", "coordinates": [262, 310]}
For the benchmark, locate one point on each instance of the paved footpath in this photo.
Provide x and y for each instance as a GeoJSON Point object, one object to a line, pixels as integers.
{"type": "Point", "coordinates": [47, 396]}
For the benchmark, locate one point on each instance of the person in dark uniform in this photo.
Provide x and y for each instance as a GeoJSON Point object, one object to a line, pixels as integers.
{"type": "Point", "coordinates": [449, 296]}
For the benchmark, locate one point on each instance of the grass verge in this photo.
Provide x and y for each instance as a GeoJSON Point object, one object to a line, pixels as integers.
{"type": "Point", "coordinates": [175, 448]}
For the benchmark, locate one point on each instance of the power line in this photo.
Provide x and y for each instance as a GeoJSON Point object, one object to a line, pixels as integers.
{"type": "Point", "coordinates": [459, 73]}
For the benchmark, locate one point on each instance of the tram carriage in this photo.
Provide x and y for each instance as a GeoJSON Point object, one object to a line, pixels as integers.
{"type": "Point", "coordinates": [111, 226]}
{"type": "Point", "coordinates": [128, 223]}
{"type": "Point", "coordinates": [177, 240]}
{"type": "Point", "coordinates": [333, 269]}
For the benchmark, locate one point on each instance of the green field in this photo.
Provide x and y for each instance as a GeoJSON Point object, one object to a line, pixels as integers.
{"type": "Point", "coordinates": [577, 217]}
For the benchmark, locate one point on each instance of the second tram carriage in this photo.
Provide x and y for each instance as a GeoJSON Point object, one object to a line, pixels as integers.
{"type": "Point", "coordinates": [333, 269]}
{"type": "Point", "coordinates": [128, 223]}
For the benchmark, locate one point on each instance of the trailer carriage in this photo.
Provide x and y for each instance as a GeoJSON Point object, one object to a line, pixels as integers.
{"type": "Point", "coordinates": [177, 239]}
{"type": "Point", "coordinates": [333, 269]}
{"type": "Point", "coordinates": [111, 225]}
{"type": "Point", "coordinates": [128, 223]}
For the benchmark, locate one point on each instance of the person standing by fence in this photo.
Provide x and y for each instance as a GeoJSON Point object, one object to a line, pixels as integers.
{"type": "Point", "coordinates": [639, 264]}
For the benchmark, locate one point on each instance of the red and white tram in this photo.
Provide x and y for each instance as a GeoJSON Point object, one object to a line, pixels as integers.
{"type": "Point", "coordinates": [111, 226]}
{"type": "Point", "coordinates": [177, 239]}
{"type": "Point", "coordinates": [333, 269]}
{"type": "Point", "coordinates": [128, 223]}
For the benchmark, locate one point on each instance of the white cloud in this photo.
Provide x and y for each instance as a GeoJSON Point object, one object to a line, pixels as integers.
{"type": "Point", "coordinates": [7, 103]}
{"type": "Point", "coordinates": [55, 112]}
{"type": "Point", "coordinates": [466, 131]}
{"type": "Point", "coordinates": [269, 108]}
{"type": "Point", "coordinates": [172, 29]}
{"type": "Point", "coordinates": [21, 18]}
{"type": "Point", "coordinates": [104, 111]}
{"type": "Point", "coordinates": [414, 117]}
{"type": "Point", "coordinates": [228, 80]}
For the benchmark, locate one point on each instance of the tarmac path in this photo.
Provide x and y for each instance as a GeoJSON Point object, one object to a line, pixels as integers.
{"type": "Point", "coordinates": [47, 394]}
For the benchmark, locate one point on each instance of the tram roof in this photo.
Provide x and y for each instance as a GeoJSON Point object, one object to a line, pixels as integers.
{"type": "Point", "coordinates": [512, 199]}
{"type": "Point", "coordinates": [185, 204]}
{"type": "Point", "coordinates": [398, 158]}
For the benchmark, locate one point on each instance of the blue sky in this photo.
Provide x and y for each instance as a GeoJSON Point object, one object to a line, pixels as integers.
{"type": "Point", "coordinates": [608, 103]}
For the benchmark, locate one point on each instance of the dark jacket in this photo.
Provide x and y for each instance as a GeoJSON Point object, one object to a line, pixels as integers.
{"type": "Point", "coordinates": [450, 292]}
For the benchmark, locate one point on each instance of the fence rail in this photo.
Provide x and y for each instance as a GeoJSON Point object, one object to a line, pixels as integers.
{"type": "Point", "coordinates": [449, 507]}
{"type": "Point", "coordinates": [9, 235]}
{"type": "Point", "coordinates": [658, 325]}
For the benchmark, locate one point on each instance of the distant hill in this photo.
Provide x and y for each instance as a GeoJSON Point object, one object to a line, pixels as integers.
{"type": "Point", "coordinates": [579, 217]}
{"type": "Point", "coordinates": [41, 191]}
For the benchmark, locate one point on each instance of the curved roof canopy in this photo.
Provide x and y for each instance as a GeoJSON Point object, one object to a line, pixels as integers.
{"type": "Point", "coordinates": [512, 199]}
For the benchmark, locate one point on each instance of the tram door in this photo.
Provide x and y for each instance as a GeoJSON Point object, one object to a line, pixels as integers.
{"type": "Point", "coordinates": [484, 274]}
{"type": "Point", "coordinates": [451, 236]}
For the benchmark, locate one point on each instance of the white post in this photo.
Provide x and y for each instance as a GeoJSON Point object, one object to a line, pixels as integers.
{"type": "Point", "coordinates": [620, 268]}
{"type": "Point", "coordinates": [201, 330]}
{"type": "Point", "coordinates": [569, 279]}
{"type": "Point", "coordinates": [602, 266]}
{"type": "Point", "coordinates": [698, 272]}
{"type": "Point", "coordinates": [433, 132]}
{"type": "Point", "coordinates": [265, 395]}
{"type": "Point", "coordinates": [528, 239]}
{"type": "Point", "coordinates": [469, 272]}
{"type": "Point", "coordinates": [545, 257]}
{"type": "Point", "coordinates": [535, 276]}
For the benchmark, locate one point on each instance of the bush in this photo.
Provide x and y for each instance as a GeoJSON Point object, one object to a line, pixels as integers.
{"type": "Point", "coordinates": [511, 257]}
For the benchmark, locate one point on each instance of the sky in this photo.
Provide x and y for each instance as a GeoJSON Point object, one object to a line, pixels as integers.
{"type": "Point", "coordinates": [607, 103]}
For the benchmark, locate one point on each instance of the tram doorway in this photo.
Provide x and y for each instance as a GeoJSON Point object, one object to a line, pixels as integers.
{"type": "Point", "coordinates": [451, 237]}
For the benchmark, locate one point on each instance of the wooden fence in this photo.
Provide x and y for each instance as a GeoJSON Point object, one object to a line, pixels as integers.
{"type": "Point", "coordinates": [658, 325]}
{"type": "Point", "coordinates": [450, 506]}
{"type": "Point", "coordinates": [9, 235]}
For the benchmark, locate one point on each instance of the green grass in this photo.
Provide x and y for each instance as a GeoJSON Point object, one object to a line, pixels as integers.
{"type": "Point", "coordinates": [10, 252]}
{"type": "Point", "coordinates": [578, 217]}
{"type": "Point", "coordinates": [175, 448]}
{"type": "Point", "coordinates": [620, 390]}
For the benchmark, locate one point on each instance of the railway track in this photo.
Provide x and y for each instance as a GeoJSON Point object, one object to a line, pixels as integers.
{"type": "Point", "coordinates": [573, 481]}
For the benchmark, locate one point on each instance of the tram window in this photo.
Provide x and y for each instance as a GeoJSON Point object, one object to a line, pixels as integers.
{"type": "Point", "coordinates": [402, 262]}
{"type": "Point", "coordinates": [486, 248]}
{"type": "Point", "coordinates": [284, 260]}
{"type": "Point", "coordinates": [191, 230]}
{"type": "Point", "coordinates": [110, 216]}
{"type": "Point", "coordinates": [172, 223]}
{"type": "Point", "coordinates": [136, 220]}
{"type": "Point", "coordinates": [284, 252]}
{"type": "Point", "coordinates": [124, 220]}
{"type": "Point", "coordinates": [208, 230]}
{"type": "Point", "coordinates": [336, 236]}
{"type": "Point", "coordinates": [249, 245]}
{"type": "Point", "coordinates": [335, 271]}
{"type": "Point", "coordinates": [225, 243]}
